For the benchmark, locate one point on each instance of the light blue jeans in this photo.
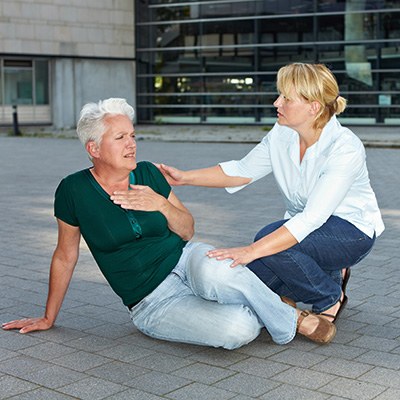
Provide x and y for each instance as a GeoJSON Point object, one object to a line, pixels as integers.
{"type": "Point", "coordinates": [206, 302]}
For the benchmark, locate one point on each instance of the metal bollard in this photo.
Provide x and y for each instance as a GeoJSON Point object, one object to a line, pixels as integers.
{"type": "Point", "coordinates": [15, 121]}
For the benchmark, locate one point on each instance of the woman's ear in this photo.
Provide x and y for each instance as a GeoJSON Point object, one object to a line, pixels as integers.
{"type": "Point", "coordinates": [315, 107]}
{"type": "Point", "coordinates": [93, 149]}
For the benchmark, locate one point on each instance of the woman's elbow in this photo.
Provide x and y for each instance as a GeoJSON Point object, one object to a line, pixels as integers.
{"type": "Point", "coordinates": [190, 233]}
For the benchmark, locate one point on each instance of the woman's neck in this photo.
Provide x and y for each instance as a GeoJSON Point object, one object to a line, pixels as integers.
{"type": "Point", "coordinates": [110, 181]}
{"type": "Point", "coordinates": [307, 139]}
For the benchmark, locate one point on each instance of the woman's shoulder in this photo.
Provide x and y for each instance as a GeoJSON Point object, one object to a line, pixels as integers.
{"type": "Point", "coordinates": [280, 133]}
{"type": "Point", "coordinates": [147, 167]}
{"type": "Point", "coordinates": [146, 171]}
{"type": "Point", "coordinates": [77, 176]}
{"type": "Point", "coordinates": [148, 174]}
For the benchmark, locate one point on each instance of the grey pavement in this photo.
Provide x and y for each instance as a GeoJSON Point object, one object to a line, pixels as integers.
{"type": "Point", "coordinates": [94, 352]}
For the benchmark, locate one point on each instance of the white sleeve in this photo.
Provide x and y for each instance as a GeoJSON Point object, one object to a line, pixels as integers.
{"type": "Point", "coordinates": [255, 165]}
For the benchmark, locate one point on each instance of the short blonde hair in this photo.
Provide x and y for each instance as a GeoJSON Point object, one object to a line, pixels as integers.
{"type": "Point", "coordinates": [313, 82]}
{"type": "Point", "coordinates": [91, 126]}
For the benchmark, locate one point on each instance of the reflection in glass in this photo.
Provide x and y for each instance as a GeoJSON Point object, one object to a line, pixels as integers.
{"type": "Point", "coordinates": [199, 60]}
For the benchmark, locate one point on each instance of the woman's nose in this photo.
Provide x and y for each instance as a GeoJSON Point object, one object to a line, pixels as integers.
{"type": "Point", "coordinates": [278, 101]}
{"type": "Point", "coordinates": [131, 142]}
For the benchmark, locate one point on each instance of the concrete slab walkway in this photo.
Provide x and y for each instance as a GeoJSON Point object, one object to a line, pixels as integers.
{"type": "Point", "coordinates": [95, 353]}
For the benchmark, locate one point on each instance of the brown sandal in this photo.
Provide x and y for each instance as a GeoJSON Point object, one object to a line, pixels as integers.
{"type": "Point", "coordinates": [342, 305]}
{"type": "Point", "coordinates": [288, 301]}
{"type": "Point", "coordinates": [324, 332]}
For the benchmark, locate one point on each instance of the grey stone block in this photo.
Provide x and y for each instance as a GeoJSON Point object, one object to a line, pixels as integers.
{"type": "Point", "coordinates": [11, 386]}
{"type": "Point", "coordinates": [352, 389]}
{"type": "Point", "coordinates": [304, 378]}
{"type": "Point", "coordinates": [92, 389]}
{"type": "Point", "coordinates": [259, 367]}
{"type": "Point", "coordinates": [253, 386]}
{"type": "Point", "coordinates": [198, 391]}
{"type": "Point", "coordinates": [288, 392]}
{"type": "Point", "coordinates": [158, 383]}
{"type": "Point", "coordinates": [203, 373]}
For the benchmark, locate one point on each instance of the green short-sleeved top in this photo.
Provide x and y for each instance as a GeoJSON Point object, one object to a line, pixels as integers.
{"type": "Point", "coordinates": [133, 266]}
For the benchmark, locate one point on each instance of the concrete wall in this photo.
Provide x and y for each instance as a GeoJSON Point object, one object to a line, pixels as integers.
{"type": "Point", "coordinates": [98, 28]}
{"type": "Point", "coordinates": [89, 45]}
{"type": "Point", "coordinates": [76, 82]}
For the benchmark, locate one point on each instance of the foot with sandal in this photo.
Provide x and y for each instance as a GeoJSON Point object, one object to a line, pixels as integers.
{"type": "Point", "coordinates": [312, 326]}
{"type": "Point", "coordinates": [320, 328]}
{"type": "Point", "coordinates": [333, 313]}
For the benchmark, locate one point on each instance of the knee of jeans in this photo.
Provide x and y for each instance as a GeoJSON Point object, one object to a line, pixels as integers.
{"type": "Point", "coordinates": [209, 272]}
{"type": "Point", "coordinates": [244, 327]}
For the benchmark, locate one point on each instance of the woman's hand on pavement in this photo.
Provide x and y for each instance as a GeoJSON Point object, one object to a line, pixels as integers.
{"type": "Point", "coordinates": [28, 324]}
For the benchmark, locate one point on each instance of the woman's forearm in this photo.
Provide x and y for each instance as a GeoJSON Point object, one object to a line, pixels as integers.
{"type": "Point", "coordinates": [179, 221]}
{"type": "Point", "coordinates": [212, 177]}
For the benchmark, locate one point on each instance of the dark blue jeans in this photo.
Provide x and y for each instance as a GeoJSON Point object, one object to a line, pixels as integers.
{"type": "Point", "coordinates": [310, 271]}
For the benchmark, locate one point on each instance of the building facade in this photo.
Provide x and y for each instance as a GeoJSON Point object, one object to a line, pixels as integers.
{"type": "Point", "coordinates": [216, 61]}
{"type": "Point", "coordinates": [57, 55]}
{"type": "Point", "coordinates": [193, 61]}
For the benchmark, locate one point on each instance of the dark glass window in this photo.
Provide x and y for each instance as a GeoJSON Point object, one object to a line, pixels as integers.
{"type": "Point", "coordinates": [207, 61]}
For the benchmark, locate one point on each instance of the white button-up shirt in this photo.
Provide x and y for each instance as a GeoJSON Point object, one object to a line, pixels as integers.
{"type": "Point", "coordinates": [332, 178]}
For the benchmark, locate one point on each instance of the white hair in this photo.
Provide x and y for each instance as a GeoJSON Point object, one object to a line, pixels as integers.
{"type": "Point", "coordinates": [91, 126]}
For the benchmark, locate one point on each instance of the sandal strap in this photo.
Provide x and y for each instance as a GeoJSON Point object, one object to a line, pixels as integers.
{"type": "Point", "coordinates": [303, 314]}
{"type": "Point", "coordinates": [328, 315]}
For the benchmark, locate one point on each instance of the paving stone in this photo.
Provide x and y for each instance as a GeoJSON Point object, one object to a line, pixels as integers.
{"type": "Point", "coordinates": [21, 365]}
{"type": "Point", "coordinates": [53, 376]}
{"type": "Point", "coordinates": [11, 386]}
{"type": "Point", "coordinates": [92, 389]}
{"type": "Point", "coordinates": [259, 367]}
{"type": "Point", "coordinates": [298, 358]}
{"type": "Point", "coordinates": [203, 373]}
{"type": "Point", "coordinates": [111, 331]}
{"type": "Point", "coordinates": [163, 362]}
{"type": "Point", "coordinates": [247, 384]}
{"type": "Point", "coordinates": [6, 354]}
{"type": "Point", "coordinates": [42, 394]}
{"type": "Point", "coordinates": [218, 357]}
{"type": "Point", "coordinates": [92, 343]}
{"type": "Point", "coordinates": [48, 351]}
{"type": "Point", "coordinates": [340, 351]}
{"type": "Point", "coordinates": [383, 376]}
{"type": "Point", "coordinates": [381, 359]}
{"type": "Point", "coordinates": [381, 331]}
{"type": "Point", "coordinates": [117, 372]}
{"type": "Point", "coordinates": [348, 369]}
{"type": "Point", "coordinates": [80, 361]}
{"type": "Point", "coordinates": [16, 341]}
{"type": "Point", "coordinates": [134, 394]}
{"type": "Point", "coordinates": [375, 343]}
{"type": "Point", "coordinates": [126, 353]}
{"type": "Point", "coordinates": [304, 378]}
{"type": "Point", "coordinates": [158, 383]}
{"type": "Point", "coordinates": [352, 389]}
{"type": "Point", "coordinates": [288, 392]}
{"type": "Point", "coordinates": [198, 391]}
{"type": "Point", "coordinates": [176, 349]}
{"type": "Point", "coordinates": [390, 394]}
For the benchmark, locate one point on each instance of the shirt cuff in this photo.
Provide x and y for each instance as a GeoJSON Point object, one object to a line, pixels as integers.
{"type": "Point", "coordinates": [297, 228]}
{"type": "Point", "coordinates": [231, 168]}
